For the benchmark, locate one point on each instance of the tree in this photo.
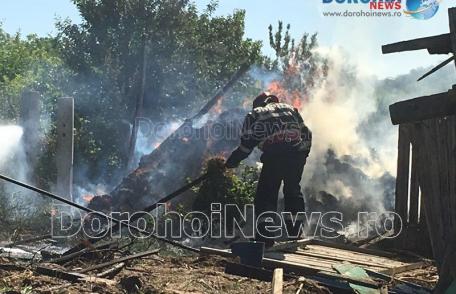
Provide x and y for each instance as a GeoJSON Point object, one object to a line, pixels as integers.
{"type": "Point", "coordinates": [187, 55]}
{"type": "Point", "coordinates": [301, 67]}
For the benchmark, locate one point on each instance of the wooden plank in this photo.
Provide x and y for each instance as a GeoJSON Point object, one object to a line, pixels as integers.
{"type": "Point", "coordinates": [414, 194]}
{"type": "Point", "coordinates": [402, 175]}
{"type": "Point", "coordinates": [405, 268]}
{"type": "Point", "coordinates": [422, 108]}
{"type": "Point", "coordinates": [313, 263]}
{"type": "Point", "coordinates": [430, 173]}
{"type": "Point", "coordinates": [341, 259]}
{"type": "Point", "coordinates": [277, 281]}
{"type": "Point", "coordinates": [353, 248]}
{"type": "Point", "coordinates": [292, 267]}
{"type": "Point", "coordinates": [327, 260]}
{"type": "Point", "coordinates": [322, 250]}
{"type": "Point", "coordinates": [451, 137]}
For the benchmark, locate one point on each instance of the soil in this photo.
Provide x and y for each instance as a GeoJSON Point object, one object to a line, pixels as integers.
{"type": "Point", "coordinates": [154, 274]}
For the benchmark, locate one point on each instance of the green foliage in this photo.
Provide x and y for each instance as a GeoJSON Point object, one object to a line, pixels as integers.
{"type": "Point", "coordinates": [300, 64]}
{"type": "Point", "coordinates": [182, 54]}
{"type": "Point", "coordinates": [32, 62]}
{"type": "Point", "coordinates": [18, 216]}
{"type": "Point", "coordinates": [225, 187]}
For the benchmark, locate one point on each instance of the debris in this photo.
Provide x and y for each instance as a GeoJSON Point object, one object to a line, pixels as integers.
{"type": "Point", "coordinates": [57, 272]}
{"type": "Point", "coordinates": [29, 240]}
{"type": "Point", "coordinates": [112, 271]}
{"type": "Point", "coordinates": [119, 260]}
{"type": "Point", "coordinates": [356, 272]}
{"type": "Point", "coordinates": [289, 245]}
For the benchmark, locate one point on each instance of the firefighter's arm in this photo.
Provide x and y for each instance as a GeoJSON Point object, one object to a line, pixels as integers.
{"type": "Point", "coordinates": [306, 133]}
{"type": "Point", "coordinates": [248, 143]}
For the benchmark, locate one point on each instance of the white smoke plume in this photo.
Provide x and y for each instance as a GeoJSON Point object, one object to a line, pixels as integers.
{"type": "Point", "coordinates": [10, 138]}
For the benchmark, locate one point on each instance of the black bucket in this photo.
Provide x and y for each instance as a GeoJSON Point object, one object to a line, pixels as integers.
{"type": "Point", "coordinates": [250, 253]}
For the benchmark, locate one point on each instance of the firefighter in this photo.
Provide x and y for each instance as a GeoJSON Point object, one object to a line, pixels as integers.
{"type": "Point", "coordinates": [278, 130]}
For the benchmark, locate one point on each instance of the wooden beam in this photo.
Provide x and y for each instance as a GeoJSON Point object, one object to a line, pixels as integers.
{"type": "Point", "coordinates": [277, 281]}
{"type": "Point", "coordinates": [423, 108]}
{"type": "Point", "coordinates": [452, 21]}
{"type": "Point", "coordinates": [439, 44]}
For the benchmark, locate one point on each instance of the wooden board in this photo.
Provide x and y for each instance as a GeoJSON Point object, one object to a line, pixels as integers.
{"type": "Point", "coordinates": [322, 256]}
{"type": "Point", "coordinates": [423, 108]}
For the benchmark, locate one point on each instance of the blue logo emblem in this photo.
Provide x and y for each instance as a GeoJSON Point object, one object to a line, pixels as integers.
{"type": "Point", "coordinates": [422, 9]}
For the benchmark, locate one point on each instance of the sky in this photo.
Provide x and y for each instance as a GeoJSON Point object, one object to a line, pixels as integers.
{"type": "Point", "coordinates": [360, 38]}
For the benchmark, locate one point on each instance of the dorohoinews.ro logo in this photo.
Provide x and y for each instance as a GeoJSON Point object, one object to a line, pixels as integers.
{"type": "Point", "coordinates": [418, 9]}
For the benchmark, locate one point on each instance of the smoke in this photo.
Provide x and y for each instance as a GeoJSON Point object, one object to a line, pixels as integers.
{"type": "Point", "coordinates": [352, 164]}
{"type": "Point", "coordinates": [10, 138]}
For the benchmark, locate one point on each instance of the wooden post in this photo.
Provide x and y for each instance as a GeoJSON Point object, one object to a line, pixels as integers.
{"type": "Point", "coordinates": [277, 281]}
{"type": "Point", "coordinates": [64, 155]}
{"type": "Point", "coordinates": [452, 21]}
{"type": "Point", "coordinates": [30, 122]}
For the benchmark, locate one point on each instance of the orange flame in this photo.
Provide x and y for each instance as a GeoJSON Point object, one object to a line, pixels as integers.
{"type": "Point", "coordinates": [291, 97]}
{"type": "Point", "coordinates": [218, 106]}
{"type": "Point", "coordinates": [87, 197]}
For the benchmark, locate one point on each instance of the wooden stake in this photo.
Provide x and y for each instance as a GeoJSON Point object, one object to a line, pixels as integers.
{"type": "Point", "coordinates": [277, 281]}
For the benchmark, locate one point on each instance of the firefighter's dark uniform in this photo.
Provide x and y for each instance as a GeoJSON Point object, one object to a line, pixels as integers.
{"type": "Point", "coordinates": [279, 131]}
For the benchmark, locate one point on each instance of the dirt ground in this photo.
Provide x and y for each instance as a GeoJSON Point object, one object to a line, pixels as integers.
{"type": "Point", "coordinates": [155, 274]}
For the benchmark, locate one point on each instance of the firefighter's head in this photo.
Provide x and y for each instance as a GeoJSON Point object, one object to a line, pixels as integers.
{"type": "Point", "coordinates": [264, 99]}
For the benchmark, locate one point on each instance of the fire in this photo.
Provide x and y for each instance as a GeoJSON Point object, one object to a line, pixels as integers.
{"type": "Point", "coordinates": [297, 103]}
{"type": "Point", "coordinates": [87, 198]}
{"type": "Point", "coordinates": [291, 97]}
{"type": "Point", "coordinates": [218, 106]}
